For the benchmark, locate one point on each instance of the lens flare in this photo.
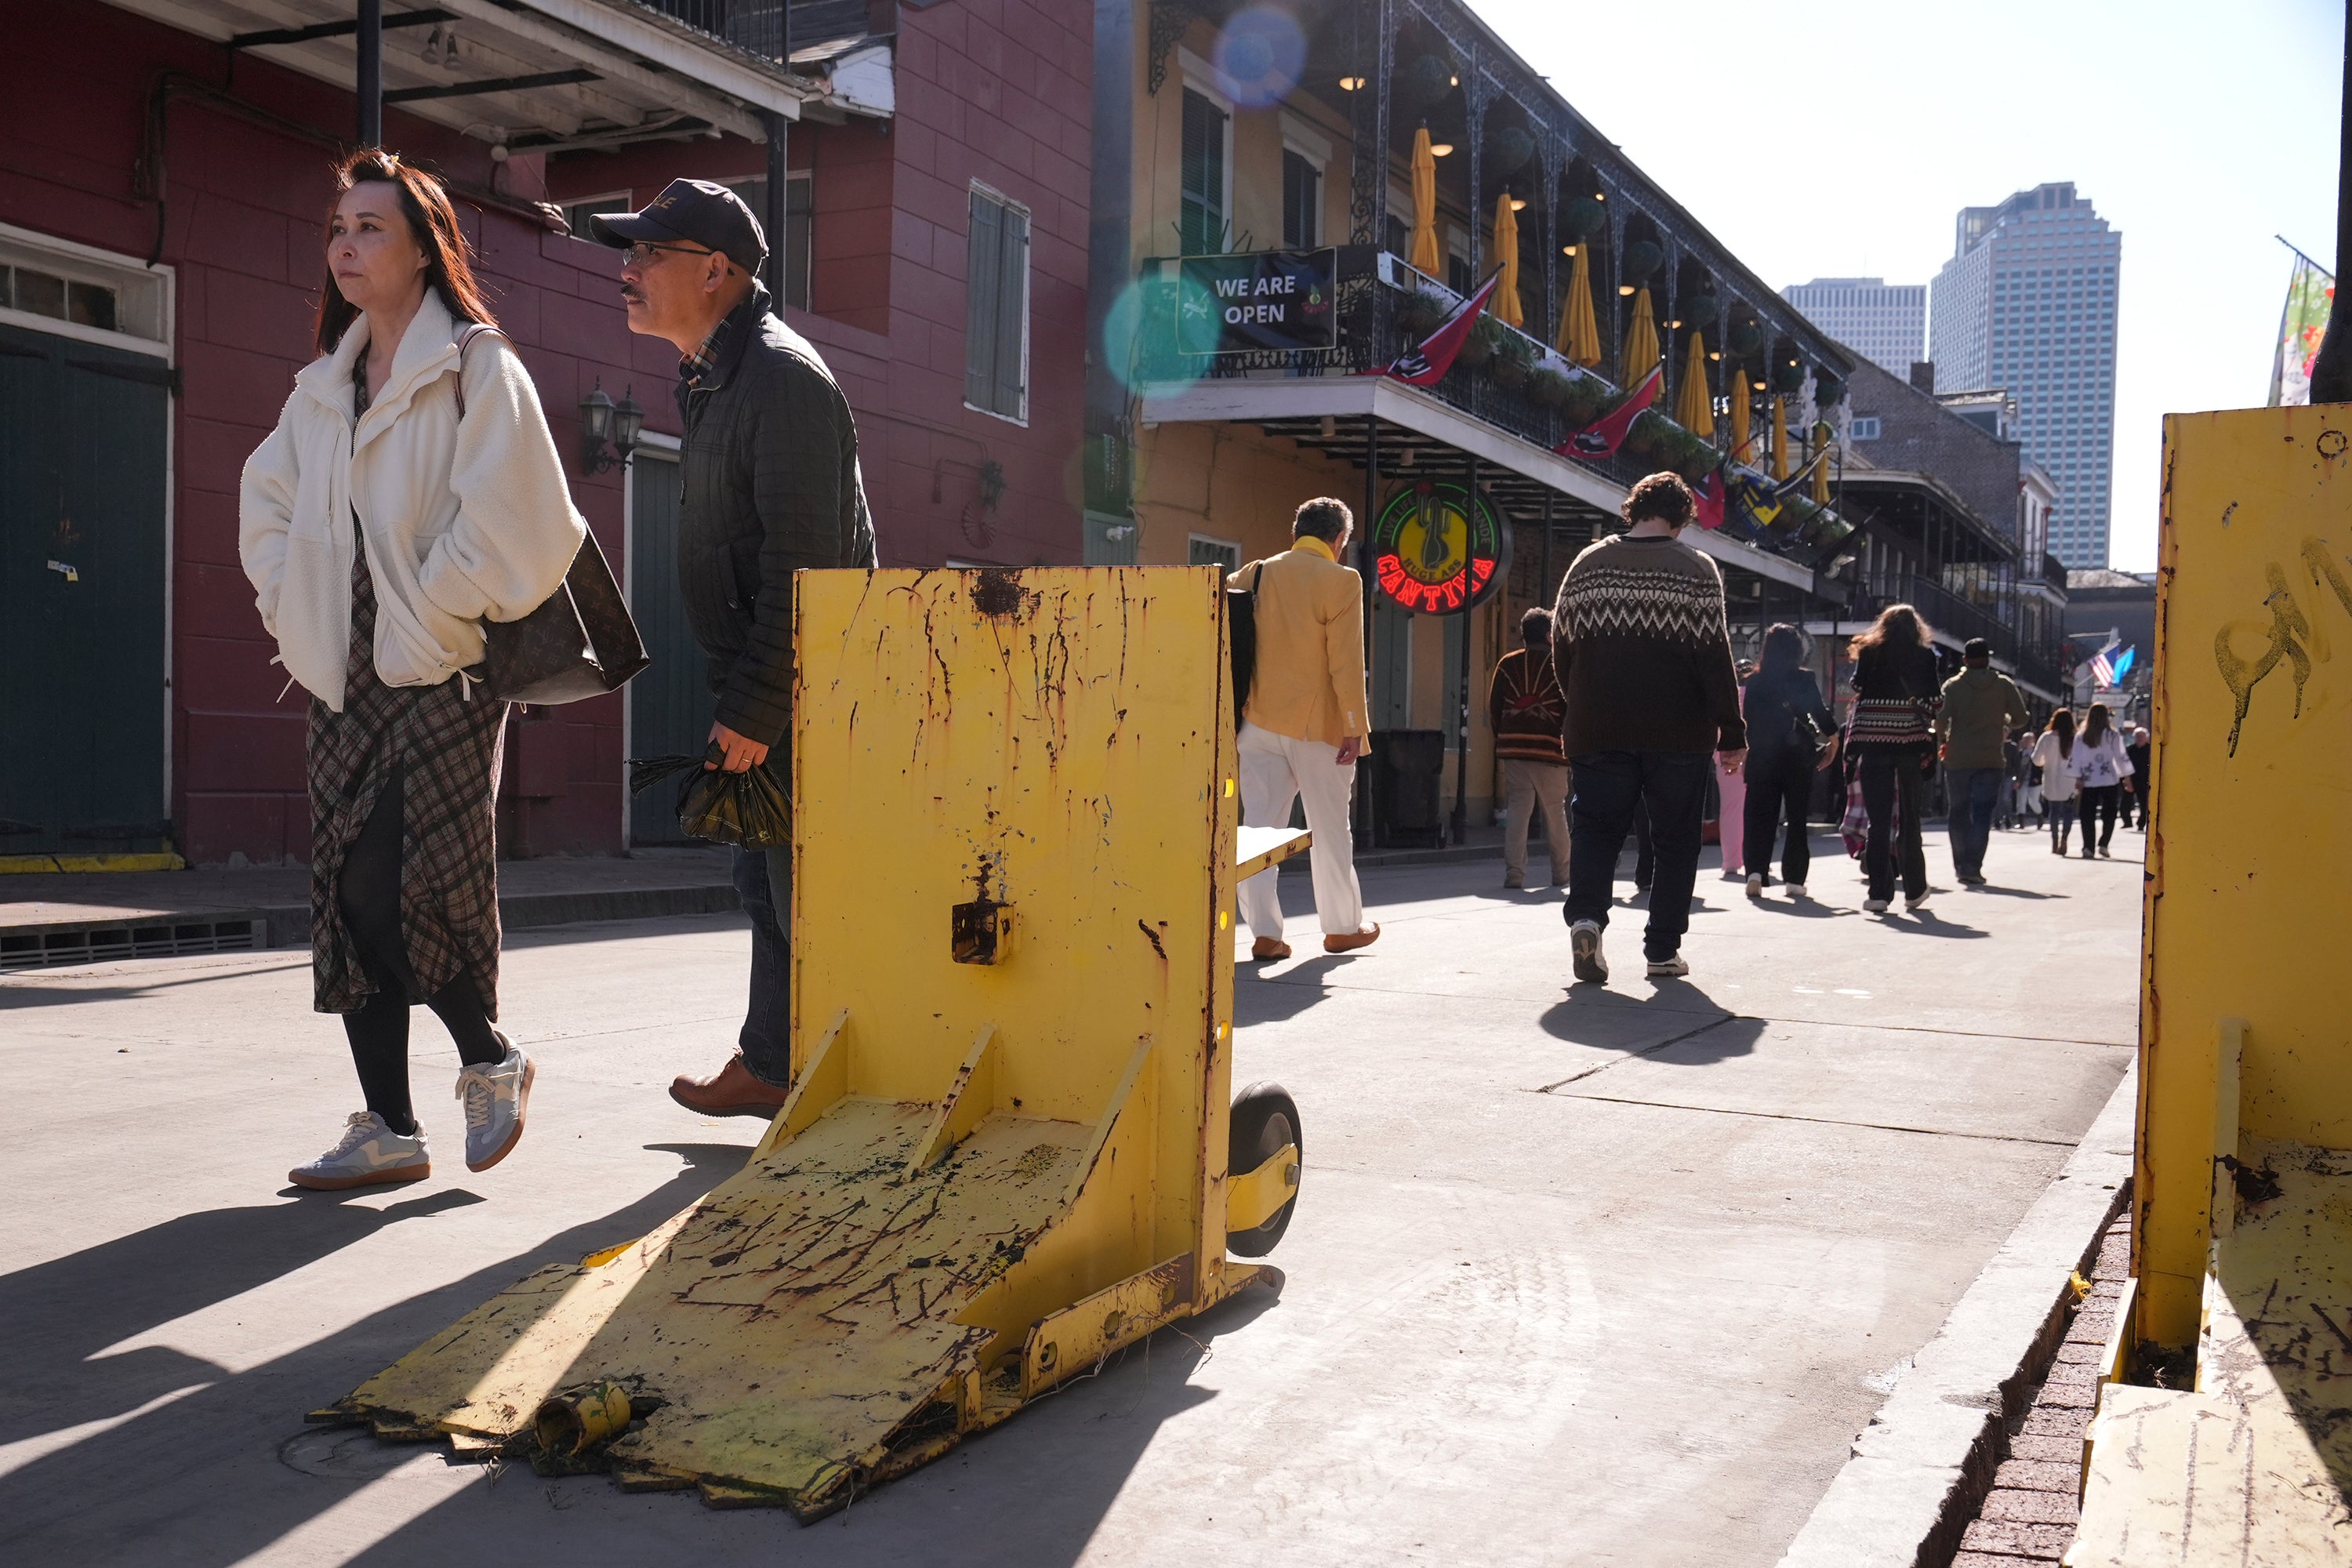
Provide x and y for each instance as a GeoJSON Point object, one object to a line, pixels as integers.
{"type": "Point", "coordinates": [1259, 56]}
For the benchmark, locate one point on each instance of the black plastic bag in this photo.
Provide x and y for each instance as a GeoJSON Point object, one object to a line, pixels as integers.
{"type": "Point", "coordinates": [749, 809]}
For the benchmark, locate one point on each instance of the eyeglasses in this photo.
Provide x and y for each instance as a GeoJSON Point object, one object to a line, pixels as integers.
{"type": "Point", "coordinates": [642, 253]}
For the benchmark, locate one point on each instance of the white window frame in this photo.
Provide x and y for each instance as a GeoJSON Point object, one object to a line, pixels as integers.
{"type": "Point", "coordinates": [1872, 421]}
{"type": "Point", "coordinates": [1233, 544]}
{"type": "Point", "coordinates": [981, 187]}
{"type": "Point", "coordinates": [627, 199]}
{"type": "Point", "coordinates": [1200, 76]}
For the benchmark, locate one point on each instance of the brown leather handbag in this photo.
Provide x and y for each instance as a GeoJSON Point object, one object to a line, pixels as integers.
{"type": "Point", "coordinates": [580, 642]}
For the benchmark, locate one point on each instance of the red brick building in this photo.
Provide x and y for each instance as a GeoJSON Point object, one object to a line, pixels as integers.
{"type": "Point", "coordinates": [161, 253]}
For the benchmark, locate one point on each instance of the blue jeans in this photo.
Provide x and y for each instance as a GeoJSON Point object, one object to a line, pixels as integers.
{"type": "Point", "coordinates": [1972, 794]}
{"type": "Point", "coordinates": [1609, 786]}
{"type": "Point", "coordinates": [764, 881]}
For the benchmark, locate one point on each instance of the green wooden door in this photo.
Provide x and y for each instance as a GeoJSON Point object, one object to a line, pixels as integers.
{"type": "Point", "coordinates": [670, 705]}
{"type": "Point", "coordinates": [82, 557]}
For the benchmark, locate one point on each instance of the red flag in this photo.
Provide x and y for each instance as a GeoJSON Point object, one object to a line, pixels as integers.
{"type": "Point", "coordinates": [1709, 491]}
{"type": "Point", "coordinates": [1427, 365]}
{"type": "Point", "coordinates": [1605, 435]}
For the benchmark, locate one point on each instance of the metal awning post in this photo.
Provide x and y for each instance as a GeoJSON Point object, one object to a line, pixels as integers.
{"type": "Point", "coordinates": [1462, 705]}
{"type": "Point", "coordinates": [775, 219]}
{"type": "Point", "coordinates": [370, 83]}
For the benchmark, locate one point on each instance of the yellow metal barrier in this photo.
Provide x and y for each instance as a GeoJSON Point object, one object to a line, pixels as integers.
{"type": "Point", "coordinates": [2242, 1221]}
{"type": "Point", "coordinates": [1005, 1153]}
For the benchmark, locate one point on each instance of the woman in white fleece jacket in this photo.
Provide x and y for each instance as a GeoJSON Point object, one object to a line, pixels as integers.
{"type": "Point", "coordinates": [382, 522]}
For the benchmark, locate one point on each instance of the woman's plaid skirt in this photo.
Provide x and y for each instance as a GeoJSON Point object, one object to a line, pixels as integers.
{"type": "Point", "coordinates": [449, 751]}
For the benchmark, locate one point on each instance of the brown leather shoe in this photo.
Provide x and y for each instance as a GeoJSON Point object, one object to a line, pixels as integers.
{"type": "Point", "coordinates": [1352, 940]}
{"type": "Point", "coordinates": [731, 1091]}
{"type": "Point", "coordinates": [1267, 949]}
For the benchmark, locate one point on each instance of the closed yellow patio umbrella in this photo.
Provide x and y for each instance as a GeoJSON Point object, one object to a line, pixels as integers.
{"type": "Point", "coordinates": [1780, 437]}
{"type": "Point", "coordinates": [1580, 334]}
{"type": "Point", "coordinates": [1739, 399]}
{"type": "Point", "coordinates": [1821, 437]}
{"type": "Point", "coordinates": [1695, 403]}
{"type": "Point", "coordinates": [1424, 258]}
{"type": "Point", "coordinates": [1641, 342]}
{"type": "Point", "coordinates": [1507, 250]}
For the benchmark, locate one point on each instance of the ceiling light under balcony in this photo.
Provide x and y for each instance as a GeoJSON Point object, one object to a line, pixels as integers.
{"type": "Point", "coordinates": [1568, 251]}
{"type": "Point", "coordinates": [1440, 149]}
{"type": "Point", "coordinates": [1350, 83]}
{"type": "Point", "coordinates": [1624, 288]}
{"type": "Point", "coordinates": [1518, 206]}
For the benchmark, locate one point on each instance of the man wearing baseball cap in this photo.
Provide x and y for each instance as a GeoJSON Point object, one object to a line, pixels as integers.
{"type": "Point", "coordinates": [771, 486]}
{"type": "Point", "coordinates": [1980, 707]}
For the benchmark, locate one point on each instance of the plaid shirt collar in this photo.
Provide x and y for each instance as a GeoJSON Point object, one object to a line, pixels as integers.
{"type": "Point", "coordinates": [704, 360]}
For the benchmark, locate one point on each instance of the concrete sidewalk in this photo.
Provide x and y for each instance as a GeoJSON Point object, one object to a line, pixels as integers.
{"type": "Point", "coordinates": [1577, 1275]}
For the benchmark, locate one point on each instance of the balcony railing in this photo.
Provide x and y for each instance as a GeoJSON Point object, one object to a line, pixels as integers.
{"type": "Point", "coordinates": [771, 29]}
{"type": "Point", "coordinates": [1513, 386]}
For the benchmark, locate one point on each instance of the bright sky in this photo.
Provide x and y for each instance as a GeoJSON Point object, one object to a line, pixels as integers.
{"type": "Point", "coordinates": [2198, 129]}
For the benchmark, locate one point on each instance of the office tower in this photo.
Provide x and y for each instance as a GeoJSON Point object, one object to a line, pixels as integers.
{"type": "Point", "coordinates": [1885, 325]}
{"type": "Point", "coordinates": [2027, 305]}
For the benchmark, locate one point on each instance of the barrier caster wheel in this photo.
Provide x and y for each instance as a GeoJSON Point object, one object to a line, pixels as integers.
{"type": "Point", "coordinates": [1265, 1119]}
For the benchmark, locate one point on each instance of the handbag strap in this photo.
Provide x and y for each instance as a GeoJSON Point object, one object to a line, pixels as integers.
{"type": "Point", "coordinates": [467, 334]}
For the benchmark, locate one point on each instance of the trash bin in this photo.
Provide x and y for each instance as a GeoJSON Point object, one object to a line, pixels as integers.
{"type": "Point", "coordinates": [1408, 768]}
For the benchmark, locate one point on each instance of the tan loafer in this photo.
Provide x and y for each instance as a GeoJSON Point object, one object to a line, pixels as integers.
{"type": "Point", "coordinates": [731, 1091]}
{"type": "Point", "coordinates": [1267, 950]}
{"type": "Point", "coordinates": [1352, 940]}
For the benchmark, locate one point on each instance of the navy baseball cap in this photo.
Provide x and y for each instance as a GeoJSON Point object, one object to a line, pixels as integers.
{"type": "Point", "coordinates": [695, 211]}
{"type": "Point", "coordinates": [1975, 648]}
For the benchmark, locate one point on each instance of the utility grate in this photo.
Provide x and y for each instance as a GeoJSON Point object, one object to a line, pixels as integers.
{"type": "Point", "coordinates": [49, 947]}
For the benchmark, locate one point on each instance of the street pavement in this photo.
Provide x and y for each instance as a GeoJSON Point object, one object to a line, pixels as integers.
{"type": "Point", "coordinates": [1576, 1275]}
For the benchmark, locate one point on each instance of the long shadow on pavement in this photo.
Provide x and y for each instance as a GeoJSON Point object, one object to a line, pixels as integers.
{"type": "Point", "coordinates": [180, 1484]}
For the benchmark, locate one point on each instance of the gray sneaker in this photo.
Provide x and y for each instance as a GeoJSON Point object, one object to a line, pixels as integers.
{"type": "Point", "coordinates": [370, 1154]}
{"type": "Point", "coordinates": [1673, 968]}
{"type": "Point", "coordinates": [496, 1096]}
{"type": "Point", "coordinates": [1585, 949]}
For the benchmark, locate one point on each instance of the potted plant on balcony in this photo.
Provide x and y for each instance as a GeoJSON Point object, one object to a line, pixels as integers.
{"type": "Point", "coordinates": [1485, 338]}
{"type": "Point", "coordinates": [1549, 388]}
{"type": "Point", "coordinates": [1423, 312]}
{"type": "Point", "coordinates": [1514, 360]}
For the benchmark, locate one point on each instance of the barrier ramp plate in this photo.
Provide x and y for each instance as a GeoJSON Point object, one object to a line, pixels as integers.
{"type": "Point", "coordinates": [1004, 1154]}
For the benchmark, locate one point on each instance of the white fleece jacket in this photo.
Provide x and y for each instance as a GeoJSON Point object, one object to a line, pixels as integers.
{"type": "Point", "coordinates": [467, 520]}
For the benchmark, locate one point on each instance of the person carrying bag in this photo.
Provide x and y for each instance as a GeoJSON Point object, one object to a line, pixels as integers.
{"type": "Point", "coordinates": [383, 534]}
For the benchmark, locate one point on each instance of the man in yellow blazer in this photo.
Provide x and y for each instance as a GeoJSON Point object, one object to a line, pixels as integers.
{"type": "Point", "coordinates": [1303, 727]}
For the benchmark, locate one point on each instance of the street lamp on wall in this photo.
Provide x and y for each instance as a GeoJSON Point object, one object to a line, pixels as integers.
{"type": "Point", "coordinates": [601, 421]}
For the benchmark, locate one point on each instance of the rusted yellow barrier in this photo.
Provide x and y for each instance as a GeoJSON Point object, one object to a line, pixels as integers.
{"type": "Point", "coordinates": [1006, 1154]}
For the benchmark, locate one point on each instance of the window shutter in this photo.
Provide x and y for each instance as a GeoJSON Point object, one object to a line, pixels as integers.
{"type": "Point", "coordinates": [982, 293]}
{"type": "Point", "coordinates": [1011, 327]}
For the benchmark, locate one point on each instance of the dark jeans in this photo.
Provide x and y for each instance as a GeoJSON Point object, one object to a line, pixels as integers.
{"type": "Point", "coordinates": [764, 881]}
{"type": "Point", "coordinates": [1609, 787]}
{"type": "Point", "coordinates": [1973, 793]}
{"type": "Point", "coordinates": [2099, 803]}
{"type": "Point", "coordinates": [1891, 779]}
{"type": "Point", "coordinates": [1781, 787]}
{"type": "Point", "coordinates": [2062, 820]}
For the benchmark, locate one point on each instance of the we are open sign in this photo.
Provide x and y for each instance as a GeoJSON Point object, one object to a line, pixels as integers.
{"type": "Point", "coordinates": [1257, 299]}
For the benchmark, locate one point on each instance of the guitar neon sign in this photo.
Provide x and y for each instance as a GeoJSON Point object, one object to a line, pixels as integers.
{"type": "Point", "coordinates": [1437, 550]}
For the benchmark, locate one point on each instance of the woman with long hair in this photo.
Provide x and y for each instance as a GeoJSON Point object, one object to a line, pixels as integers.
{"type": "Point", "coordinates": [1891, 737]}
{"type": "Point", "coordinates": [1790, 737]}
{"type": "Point", "coordinates": [2054, 755]}
{"type": "Point", "coordinates": [2100, 768]}
{"type": "Point", "coordinates": [410, 492]}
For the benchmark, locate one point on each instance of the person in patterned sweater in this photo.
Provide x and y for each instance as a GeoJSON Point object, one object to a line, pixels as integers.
{"type": "Point", "coordinates": [1525, 707]}
{"type": "Point", "coordinates": [1644, 660]}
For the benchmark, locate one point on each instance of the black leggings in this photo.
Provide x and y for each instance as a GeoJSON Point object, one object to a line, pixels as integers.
{"type": "Point", "coordinates": [2100, 802]}
{"type": "Point", "coordinates": [1782, 789]}
{"type": "Point", "coordinates": [368, 894]}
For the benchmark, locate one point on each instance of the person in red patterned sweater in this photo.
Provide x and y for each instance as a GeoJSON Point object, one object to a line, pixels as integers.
{"type": "Point", "coordinates": [1525, 706]}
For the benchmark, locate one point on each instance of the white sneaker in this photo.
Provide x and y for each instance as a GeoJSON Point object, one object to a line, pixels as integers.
{"type": "Point", "coordinates": [370, 1154]}
{"type": "Point", "coordinates": [1755, 885]}
{"type": "Point", "coordinates": [1874, 906]}
{"type": "Point", "coordinates": [1584, 947]}
{"type": "Point", "coordinates": [495, 1097]}
{"type": "Point", "coordinates": [1795, 890]}
{"type": "Point", "coordinates": [1669, 968]}
{"type": "Point", "coordinates": [1912, 906]}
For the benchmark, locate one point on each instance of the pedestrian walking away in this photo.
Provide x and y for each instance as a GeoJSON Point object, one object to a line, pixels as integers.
{"type": "Point", "coordinates": [2054, 755]}
{"type": "Point", "coordinates": [1527, 713]}
{"type": "Point", "coordinates": [410, 491]}
{"type": "Point", "coordinates": [771, 486]}
{"type": "Point", "coordinates": [2135, 805]}
{"type": "Point", "coordinates": [2100, 769]}
{"type": "Point", "coordinates": [1790, 737]}
{"type": "Point", "coordinates": [1644, 659]}
{"type": "Point", "coordinates": [1892, 740]}
{"type": "Point", "coordinates": [1304, 727]}
{"type": "Point", "coordinates": [1979, 706]}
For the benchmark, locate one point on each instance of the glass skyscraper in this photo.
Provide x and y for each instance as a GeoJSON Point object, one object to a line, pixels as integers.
{"type": "Point", "coordinates": [1884, 324]}
{"type": "Point", "coordinates": [2027, 306]}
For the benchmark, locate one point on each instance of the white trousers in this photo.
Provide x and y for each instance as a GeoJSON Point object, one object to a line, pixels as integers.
{"type": "Point", "coordinates": [1276, 770]}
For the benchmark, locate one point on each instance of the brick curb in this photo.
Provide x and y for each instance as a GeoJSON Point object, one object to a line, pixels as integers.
{"type": "Point", "coordinates": [1922, 1469]}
